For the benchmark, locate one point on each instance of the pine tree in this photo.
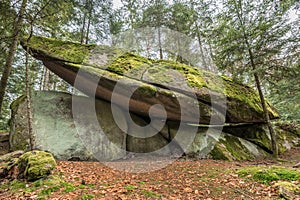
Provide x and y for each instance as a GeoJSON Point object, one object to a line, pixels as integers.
{"type": "Point", "coordinates": [250, 39]}
{"type": "Point", "coordinates": [11, 53]}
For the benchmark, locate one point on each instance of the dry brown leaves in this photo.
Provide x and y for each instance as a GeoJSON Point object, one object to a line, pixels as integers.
{"type": "Point", "coordinates": [183, 179]}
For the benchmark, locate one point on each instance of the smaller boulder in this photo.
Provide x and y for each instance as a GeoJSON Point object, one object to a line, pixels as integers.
{"type": "Point", "coordinates": [34, 165]}
{"type": "Point", "coordinates": [288, 190]}
{"type": "Point", "coordinates": [10, 156]}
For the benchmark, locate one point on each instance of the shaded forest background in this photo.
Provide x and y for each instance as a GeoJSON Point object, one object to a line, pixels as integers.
{"type": "Point", "coordinates": [246, 40]}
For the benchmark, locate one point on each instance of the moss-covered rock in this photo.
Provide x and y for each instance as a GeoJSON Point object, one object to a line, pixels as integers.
{"type": "Point", "coordinates": [89, 131]}
{"type": "Point", "coordinates": [9, 156]}
{"type": "Point", "coordinates": [153, 82]}
{"type": "Point", "coordinates": [31, 165]}
{"type": "Point", "coordinates": [64, 51]}
{"type": "Point", "coordinates": [18, 137]}
{"type": "Point", "coordinates": [288, 190]}
{"type": "Point", "coordinates": [258, 134]}
{"type": "Point", "coordinates": [34, 165]}
{"type": "Point", "coordinates": [287, 135]}
{"type": "Point", "coordinates": [229, 147]}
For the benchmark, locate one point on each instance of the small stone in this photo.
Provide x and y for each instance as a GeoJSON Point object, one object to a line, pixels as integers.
{"type": "Point", "coordinates": [297, 165]}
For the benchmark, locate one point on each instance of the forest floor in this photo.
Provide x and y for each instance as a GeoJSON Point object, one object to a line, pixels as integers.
{"type": "Point", "coordinates": [182, 179]}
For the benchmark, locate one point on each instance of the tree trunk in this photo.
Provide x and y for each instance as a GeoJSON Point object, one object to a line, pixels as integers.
{"type": "Point", "coordinates": [266, 116]}
{"type": "Point", "coordinates": [261, 95]}
{"type": "Point", "coordinates": [28, 99]}
{"type": "Point", "coordinates": [83, 28]}
{"type": "Point", "coordinates": [11, 54]}
{"type": "Point", "coordinates": [42, 79]}
{"type": "Point", "coordinates": [46, 79]}
{"type": "Point", "coordinates": [201, 47]}
{"type": "Point", "coordinates": [159, 44]}
{"type": "Point", "coordinates": [89, 9]}
{"type": "Point", "coordinates": [88, 31]}
{"type": "Point", "coordinates": [263, 103]}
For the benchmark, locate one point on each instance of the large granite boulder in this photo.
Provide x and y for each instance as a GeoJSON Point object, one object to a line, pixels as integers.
{"type": "Point", "coordinates": [54, 128]}
{"type": "Point", "coordinates": [136, 83]}
{"type": "Point", "coordinates": [78, 134]}
{"type": "Point", "coordinates": [142, 106]}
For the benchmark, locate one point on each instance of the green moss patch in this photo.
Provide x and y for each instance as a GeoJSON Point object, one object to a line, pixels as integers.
{"type": "Point", "coordinates": [133, 65]}
{"type": "Point", "coordinates": [124, 63]}
{"type": "Point", "coordinates": [265, 174]}
{"type": "Point", "coordinates": [15, 104]}
{"type": "Point", "coordinates": [233, 148]}
{"type": "Point", "coordinates": [288, 186]}
{"type": "Point", "coordinates": [149, 194]}
{"type": "Point", "coordinates": [221, 153]}
{"type": "Point", "coordinates": [61, 50]}
{"type": "Point", "coordinates": [127, 62]}
{"type": "Point", "coordinates": [43, 187]}
{"type": "Point", "coordinates": [34, 165]}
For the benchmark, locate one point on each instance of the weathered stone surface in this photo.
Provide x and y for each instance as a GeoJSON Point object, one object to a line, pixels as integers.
{"type": "Point", "coordinates": [55, 129]}
{"type": "Point", "coordinates": [288, 135]}
{"type": "Point", "coordinates": [229, 147]}
{"type": "Point", "coordinates": [19, 138]}
{"type": "Point", "coordinates": [4, 142]}
{"type": "Point", "coordinates": [145, 141]}
{"type": "Point", "coordinates": [258, 134]}
{"type": "Point", "coordinates": [214, 143]}
{"type": "Point", "coordinates": [182, 90]}
{"type": "Point", "coordinates": [86, 129]}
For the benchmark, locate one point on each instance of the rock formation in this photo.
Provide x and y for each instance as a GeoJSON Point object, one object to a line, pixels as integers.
{"type": "Point", "coordinates": [98, 137]}
{"type": "Point", "coordinates": [142, 106]}
{"type": "Point", "coordinates": [182, 90]}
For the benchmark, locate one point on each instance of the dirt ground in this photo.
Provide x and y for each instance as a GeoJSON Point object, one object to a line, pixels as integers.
{"type": "Point", "coordinates": [181, 179]}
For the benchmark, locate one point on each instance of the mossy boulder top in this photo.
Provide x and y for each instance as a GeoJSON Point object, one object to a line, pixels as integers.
{"type": "Point", "coordinates": [142, 83]}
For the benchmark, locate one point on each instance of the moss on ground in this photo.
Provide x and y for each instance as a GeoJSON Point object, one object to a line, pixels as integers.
{"type": "Point", "coordinates": [265, 174]}
{"type": "Point", "coordinates": [43, 187]}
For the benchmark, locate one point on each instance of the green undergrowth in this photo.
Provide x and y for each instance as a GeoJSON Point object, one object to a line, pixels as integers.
{"type": "Point", "coordinates": [150, 193]}
{"type": "Point", "coordinates": [42, 187]}
{"type": "Point", "coordinates": [87, 196]}
{"type": "Point", "coordinates": [266, 175]}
